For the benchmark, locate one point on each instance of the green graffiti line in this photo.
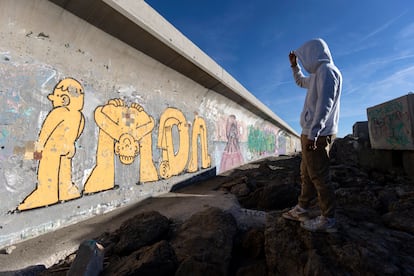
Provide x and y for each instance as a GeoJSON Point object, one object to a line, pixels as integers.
{"type": "Point", "coordinates": [260, 142]}
{"type": "Point", "coordinates": [4, 133]}
{"type": "Point", "coordinates": [398, 136]}
{"type": "Point", "coordinates": [392, 127]}
{"type": "Point", "coordinates": [385, 109]}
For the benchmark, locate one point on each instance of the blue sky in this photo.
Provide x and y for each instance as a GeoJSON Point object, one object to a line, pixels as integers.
{"type": "Point", "coordinates": [372, 43]}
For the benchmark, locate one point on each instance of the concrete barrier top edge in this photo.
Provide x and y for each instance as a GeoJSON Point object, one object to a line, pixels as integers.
{"type": "Point", "coordinates": [148, 19]}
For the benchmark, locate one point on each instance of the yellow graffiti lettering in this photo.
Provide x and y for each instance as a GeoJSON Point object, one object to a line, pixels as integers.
{"type": "Point", "coordinates": [199, 131]}
{"type": "Point", "coordinates": [173, 161]}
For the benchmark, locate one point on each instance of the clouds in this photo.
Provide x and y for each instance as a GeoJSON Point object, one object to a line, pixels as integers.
{"type": "Point", "coordinates": [399, 82]}
{"type": "Point", "coordinates": [371, 42]}
{"type": "Point", "coordinates": [381, 28]}
{"type": "Point", "coordinates": [377, 63]}
{"type": "Point", "coordinates": [407, 32]}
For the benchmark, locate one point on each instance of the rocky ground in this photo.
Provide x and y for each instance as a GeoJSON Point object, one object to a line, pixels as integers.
{"type": "Point", "coordinates": [375, 228]}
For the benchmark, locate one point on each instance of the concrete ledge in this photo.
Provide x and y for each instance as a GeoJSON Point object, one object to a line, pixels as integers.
{"type": "Point", "coordinates": [138, 25]}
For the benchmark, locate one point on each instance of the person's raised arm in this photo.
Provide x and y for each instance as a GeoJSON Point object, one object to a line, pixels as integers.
{"type": "Point", "coordinates": [300, 79]}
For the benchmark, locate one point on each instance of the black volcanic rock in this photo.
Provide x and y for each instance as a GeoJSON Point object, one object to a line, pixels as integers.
{"type": "Point", "coordinates": [375, 226]}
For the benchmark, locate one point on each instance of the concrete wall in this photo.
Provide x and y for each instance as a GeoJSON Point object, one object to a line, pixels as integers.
{"type": "Point", "coordinates": [103, 104]}
{"type": "Point", "coordinates": [391, 124]}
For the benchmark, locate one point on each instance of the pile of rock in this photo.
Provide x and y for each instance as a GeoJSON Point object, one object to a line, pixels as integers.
{"type": "Point", "coordinates": [375, 227]}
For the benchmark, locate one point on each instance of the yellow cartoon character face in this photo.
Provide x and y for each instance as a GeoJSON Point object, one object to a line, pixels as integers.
{"type": "Point", "coordinates": [68, 92]}
{"type": "Point", "coordinates": [127, 148]}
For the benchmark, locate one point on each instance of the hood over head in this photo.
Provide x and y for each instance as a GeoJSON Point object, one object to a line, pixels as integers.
{"type": "Point", "coordinates": [313, 53]}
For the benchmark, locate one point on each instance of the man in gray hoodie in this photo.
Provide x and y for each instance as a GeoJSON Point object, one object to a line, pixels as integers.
{"type": "Point", "coordinates": [319, 122]}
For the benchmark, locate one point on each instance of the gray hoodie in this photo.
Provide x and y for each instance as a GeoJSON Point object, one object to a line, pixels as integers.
{"type": "Point", "coordinates": [320, 112]}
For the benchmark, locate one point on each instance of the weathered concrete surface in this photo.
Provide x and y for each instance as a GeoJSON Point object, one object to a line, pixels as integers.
{"type": "Point", "coordinates": [391, 124]}
{"type": "Point", "coordinates": [104, 104]}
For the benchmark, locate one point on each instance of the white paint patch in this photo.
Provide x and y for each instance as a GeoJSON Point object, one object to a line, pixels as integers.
{"type": "Point", "coordinates": [86, 174]}
{"type": "Point", "coordinates": [14, 180]}
{"type": "Point", "coordinates": [48, 79]}
{"type": "Point", "coordinates": [42, 116]}
{"type": "Point", "coordinates": [6, 54]}
{"type": "Point", "coordinates": [209, 109]}
{"type": "Point", "coordinates": [129, 92]}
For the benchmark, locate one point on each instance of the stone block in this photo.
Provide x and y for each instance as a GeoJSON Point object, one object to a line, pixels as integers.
{"type": "Point", "coordinates": [360, 130]}
{"type": "Point", "coordinates": [391, 124]}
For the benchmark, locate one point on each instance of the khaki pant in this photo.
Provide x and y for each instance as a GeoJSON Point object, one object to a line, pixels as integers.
{"type": "Point", "coordinates": [315, 175]}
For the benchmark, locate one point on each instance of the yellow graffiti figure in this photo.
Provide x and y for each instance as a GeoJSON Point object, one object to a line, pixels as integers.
{"type": "Point", "coordinates": [55, 146]}
{"type": "Point", "coordinates": [126, 132]}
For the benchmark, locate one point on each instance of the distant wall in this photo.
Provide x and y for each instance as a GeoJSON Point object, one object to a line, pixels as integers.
{"type": "Point", "coordinates": [93, 118]}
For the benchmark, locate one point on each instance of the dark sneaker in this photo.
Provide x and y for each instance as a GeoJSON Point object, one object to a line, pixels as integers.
{"type": "Point", "coordinates": [297, 213]}
{"type": "Point", "coordinates": [320, 224]}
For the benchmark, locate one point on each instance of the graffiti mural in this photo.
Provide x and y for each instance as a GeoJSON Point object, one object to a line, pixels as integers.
{"type": "Point", "coordinates": [124, 131]}
{"type": "Point", "coordinates": [55, 146]}
{"type": "Point", "coordinates": [239, 141]}
{"type": "Point", "coordinates": [232, 156]}
{"type": "Point", "coordinates": [130, 144]}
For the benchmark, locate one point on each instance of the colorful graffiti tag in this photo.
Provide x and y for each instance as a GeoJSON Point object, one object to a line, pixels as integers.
{"type": "Point", "coordinates": [261, 142]}
{"type": "Point", "coordinates": [124, 131]}
{"type": "Point", "coordinates": [390, 124]}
